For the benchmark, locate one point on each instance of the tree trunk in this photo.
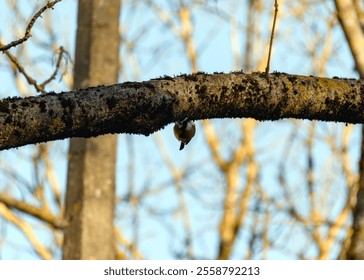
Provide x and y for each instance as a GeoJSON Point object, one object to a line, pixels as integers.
{"type": "Point", "coordinates": [90, 198]}
{"type": "Point", "coordinates": [352, 27]}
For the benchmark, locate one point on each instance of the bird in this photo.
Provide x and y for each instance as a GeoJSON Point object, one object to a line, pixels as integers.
{"type": "Point", "coordinates": [184, 130]}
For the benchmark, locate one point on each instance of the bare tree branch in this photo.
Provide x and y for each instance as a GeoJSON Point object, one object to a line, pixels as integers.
{"type": "Point", "coordinates": [145, 107]}
{"type": "Point", "coordinates": [271, 37]}
{"type": "Point", "coordinates": [27, 34]}
{"type": "Point", "coordinates": [353, 32]}
{"type": "Point", "coordinates": [61, 54]}
{"type": "Point", "coordinates": [21, 69]}
{"type": "Point", "coordinates": [41, 213]}
{"type": "Point", "coordinates": [39, 87]}
{"type": "Point", "coordinates": [27, 230]}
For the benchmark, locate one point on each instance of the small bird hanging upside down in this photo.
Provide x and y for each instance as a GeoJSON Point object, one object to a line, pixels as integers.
{"type": "Point", "coordinates": [184, 130]}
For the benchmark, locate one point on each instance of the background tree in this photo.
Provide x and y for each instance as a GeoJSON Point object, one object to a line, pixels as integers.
{"type": "Point", "coordinates": [90, 199]}
{"type": "Point", "coordinates": [248, 189]}
{"type": "Point", "coordinates": [351, 18]}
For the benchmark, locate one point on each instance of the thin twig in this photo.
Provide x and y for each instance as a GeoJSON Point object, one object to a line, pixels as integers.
{"type": "Point", "coordinates": [271, 37]}
{"type": "Point", "coordinates": [61, 54]}
{"type": "Point", "coordinates": [21, 69]}
{"type": "Point", "coordinates": [27, 34]}
{"type": "Point", "coordinates": [39, 87]}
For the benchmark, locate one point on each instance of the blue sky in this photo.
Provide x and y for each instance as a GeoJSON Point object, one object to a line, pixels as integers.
{"type": "Point", "coordinates": [160, 230]}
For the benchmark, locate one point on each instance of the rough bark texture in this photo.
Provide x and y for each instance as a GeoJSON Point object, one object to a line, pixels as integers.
{"type": "Point", "coordinates": [90, 199]}
{"type": "Point", "coordinates": [143, 108]}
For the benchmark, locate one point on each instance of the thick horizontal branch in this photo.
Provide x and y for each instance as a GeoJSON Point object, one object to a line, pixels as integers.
{"type": "Point", "coordinates": [145, 107]}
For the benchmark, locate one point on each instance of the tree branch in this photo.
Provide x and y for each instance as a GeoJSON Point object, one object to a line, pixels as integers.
{"type": "Point", "coordinates": [17, 64]}
{"type": "Point", "coordinates": [27, 34]}
{"type": "Point", "coordinates": [350, 23]}
{"type": "Point", "coordinates": [41, 213]}
{"type": "Point", "coordinates": [145, 107]}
